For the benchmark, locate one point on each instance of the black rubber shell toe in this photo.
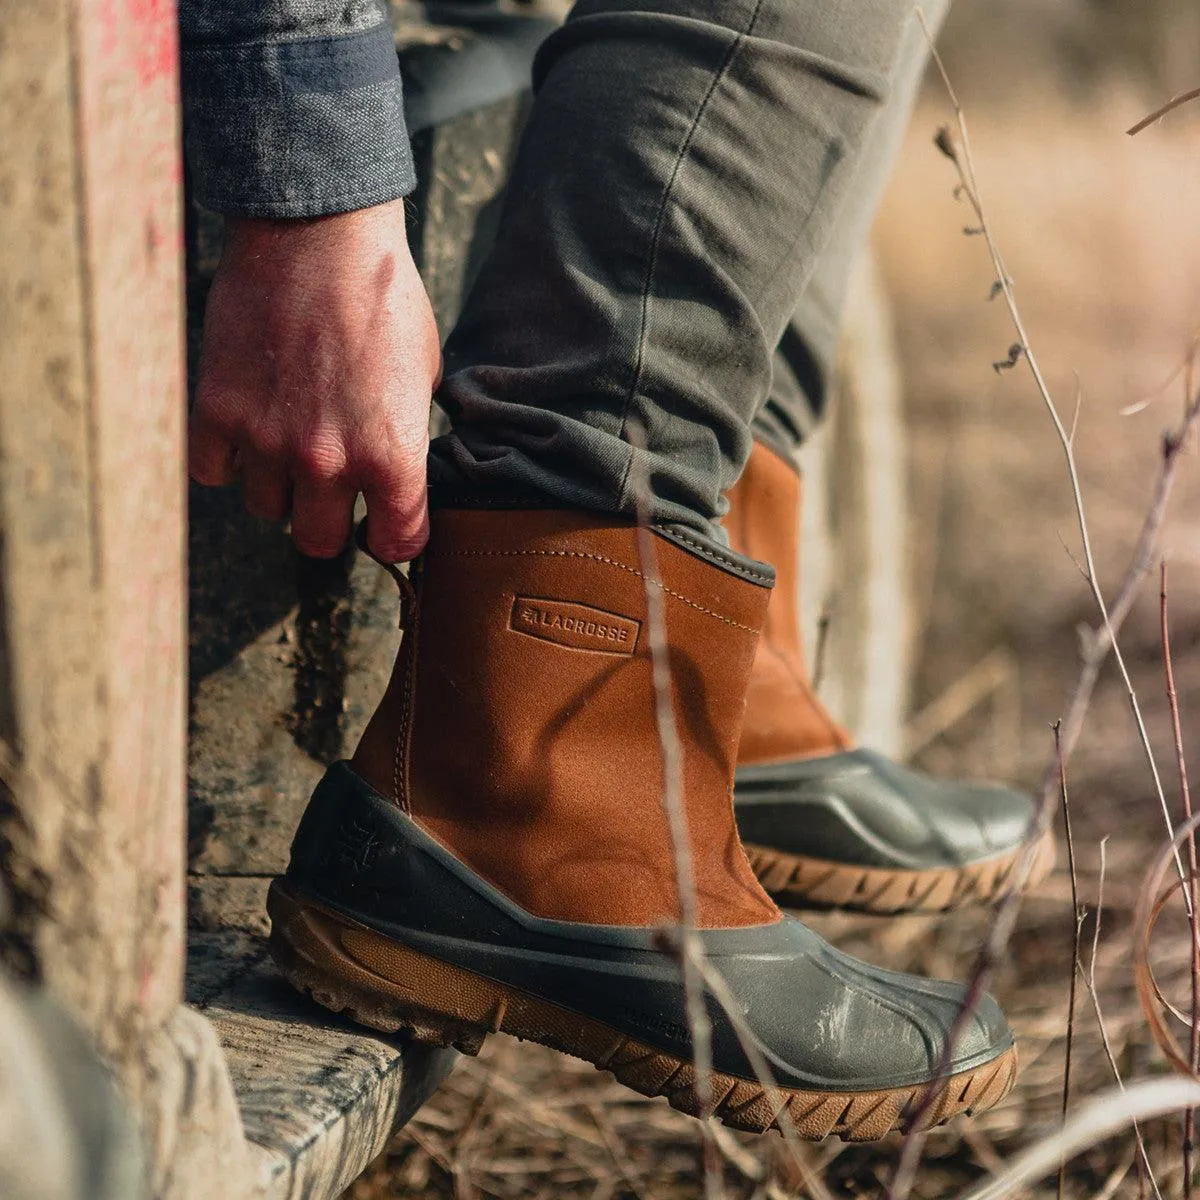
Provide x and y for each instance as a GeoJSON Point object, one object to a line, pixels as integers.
{"type": "Point", "coordinates": [823, 1020]}
{"type": "Point", "coordinates": [862, 809]}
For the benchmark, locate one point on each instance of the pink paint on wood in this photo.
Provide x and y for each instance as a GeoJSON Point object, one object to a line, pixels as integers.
{"type": "Point", "coordinates": [128, 130]}
{"type": "Point", "coordinates": [148, 34]}
{"type": "Point", "coordinates": [155, 33]}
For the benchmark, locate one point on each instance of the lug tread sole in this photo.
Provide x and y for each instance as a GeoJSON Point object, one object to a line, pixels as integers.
{"type": "Point", "coordinates": [795, 881]}
{"type": "Point", "coordinates": [351, 969]}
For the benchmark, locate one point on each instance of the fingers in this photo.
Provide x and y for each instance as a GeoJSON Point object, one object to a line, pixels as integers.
{"type": "Point", "coordinates": [211, 453]}
{"type": "Point", "coordinates": [398, 515]}
{"type": "Point", "coordinates": [322, 513]}
{"type": "Point", "coordinates": [316, 479]}
{"type": "Point", "coordinates": [397, 529]}
{"type": "Point", "coordinates": [266, 488]}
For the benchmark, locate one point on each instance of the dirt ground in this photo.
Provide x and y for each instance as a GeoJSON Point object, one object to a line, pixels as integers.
{"type": "Point", "coordinates": [1099, 230]}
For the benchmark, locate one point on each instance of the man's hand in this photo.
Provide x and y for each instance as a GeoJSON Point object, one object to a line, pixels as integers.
{"type": "Point", "coordinates": [320, 359]}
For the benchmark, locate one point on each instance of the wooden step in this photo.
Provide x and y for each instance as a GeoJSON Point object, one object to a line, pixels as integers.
{"type": "Point", "coordinates": [319, 1096]}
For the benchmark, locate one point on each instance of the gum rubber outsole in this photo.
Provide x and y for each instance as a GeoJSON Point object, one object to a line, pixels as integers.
{"type": "Point", "coordinates": [349, 968]}
{"type": "Point", "coordinates": [797, 882]}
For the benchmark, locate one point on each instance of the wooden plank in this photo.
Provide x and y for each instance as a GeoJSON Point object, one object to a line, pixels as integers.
{"type": "Point", "coordinates": [91, 453]}
{"type": "Point", "coordinates": [92, 704]}
{"type": "Point", "coordinates": [49, 743]}
{"type": "Point", "coordinates": [319, 1096]}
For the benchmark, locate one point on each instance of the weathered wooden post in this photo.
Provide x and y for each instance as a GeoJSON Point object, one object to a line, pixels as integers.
{"type": "Point", "coordinates": [92, 719]}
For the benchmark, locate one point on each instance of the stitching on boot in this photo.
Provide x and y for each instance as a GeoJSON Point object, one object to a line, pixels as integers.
{"type": "Point", "coordinates": [404, 740]}
{"type": "Point", "coordinates": [612, 562]}
{"type": "Point", "coordinates": [397, 787]}
{"type": "Point", "coordinates": [721, 560]}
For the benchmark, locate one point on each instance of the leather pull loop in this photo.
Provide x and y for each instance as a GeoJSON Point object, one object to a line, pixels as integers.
{"type": "Point", "coordinates": [408, 595]}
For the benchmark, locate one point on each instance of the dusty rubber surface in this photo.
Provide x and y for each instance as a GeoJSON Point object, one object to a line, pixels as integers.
{"type": "Point", "coordinates": [797, 882]}
{"type": "Point", "coordinates": [352, 969]}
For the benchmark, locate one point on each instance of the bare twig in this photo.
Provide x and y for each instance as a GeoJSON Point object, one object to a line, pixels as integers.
{"type": "Point", "coordinates": [1077, 913]}
{"type": "Point", "coordinates": [1078, 409]}
{"type": "Point", "coordinates": [1095, 644]}
{"type": "Point", "coordinates": [683, 940]}
{"type": "Point", "coordinates": [1185, 368]}
{"type": "Point", "coordinates": [1189, 1119]}
{"type": "Point", "coordinates": [818, 671]}
{"type": "Point", "coordinates": [762, 1071]}
{"type": "Point", "coordinates": [692, 949]}
{"type": "Point", "coordinates": [1149, 906]}
{"type": "Point", "coordinates": [1158, 114]}
{"type": "Point", "coordinates": [1145, 1170]}
{"type": "Point", "coordinates": [990, 953]}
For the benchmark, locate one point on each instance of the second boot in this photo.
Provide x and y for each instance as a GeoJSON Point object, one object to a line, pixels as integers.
{"type": "Point", "coordinates": [828, 824]}
{"type": "Point", "coordinates": [497, 857]}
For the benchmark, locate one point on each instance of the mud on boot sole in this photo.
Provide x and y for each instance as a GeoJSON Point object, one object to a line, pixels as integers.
{"type": "Point", "coordinates": [349, 968]}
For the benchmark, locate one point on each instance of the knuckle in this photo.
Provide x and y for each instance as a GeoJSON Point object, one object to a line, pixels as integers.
{"type": "Point", "coordinates": [320, 459]}
{"type": "Point", "coordinates": [218, 408]}
{"type": "Point", "coordinates": [264, 438]}
{"type": "Point", "coordinates": [394, 454]}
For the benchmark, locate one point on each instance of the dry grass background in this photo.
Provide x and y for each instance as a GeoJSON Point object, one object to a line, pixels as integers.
{"type": "Point", "coordinates": [1100, 233]}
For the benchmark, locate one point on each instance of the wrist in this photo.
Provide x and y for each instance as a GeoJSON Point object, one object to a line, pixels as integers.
{"type": "Point", "coordinates": [382, 224]}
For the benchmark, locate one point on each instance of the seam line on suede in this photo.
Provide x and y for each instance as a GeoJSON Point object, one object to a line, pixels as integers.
{"type": "Point", "coordinates": [612, 562]}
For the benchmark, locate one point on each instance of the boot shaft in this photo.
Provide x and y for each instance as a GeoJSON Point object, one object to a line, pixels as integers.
{"type": "Point", "coordinates": [784, 718]}
{"type": "Point", "coordinates": [521, 725]}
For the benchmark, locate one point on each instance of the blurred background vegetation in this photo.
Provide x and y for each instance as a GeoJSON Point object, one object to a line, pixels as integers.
{"type": "Point", "coordinates": [996, 49]}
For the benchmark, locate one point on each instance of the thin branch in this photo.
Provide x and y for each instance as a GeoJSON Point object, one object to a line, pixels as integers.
{"type": "Point", "coordinates": [1100, 641]}
{"type": "Point", "coordinates": [1096, 643]}
{"type": "Point", "coordinates": [1078, 409]}
{"type": "Point", "coordinates": [1189, 1120]}
{"type": "Point", "coordinates": [990, 953]}
{"type": "Point", "coordinates": [1078, 914]}
{"type": "Point", "coordinates": [1183, 368]}
{"type": "Point", "coordinates": [776, 1096]}
{"type": "Point", "coordinates": [818, 671]}
{"type": "Point", "coordinates": [672, 764]}
{"type": "Point", "coordinates": [1158, 114]}
{"type": "Point", "coordinates": [1089, 982]}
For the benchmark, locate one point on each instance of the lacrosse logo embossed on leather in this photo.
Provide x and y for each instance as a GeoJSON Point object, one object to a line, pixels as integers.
{"type": "Point", "coordinates": [575, 626]}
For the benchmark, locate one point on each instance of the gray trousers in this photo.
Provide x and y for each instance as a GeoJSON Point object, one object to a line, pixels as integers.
{"type": "Point", "coordinates": [694, 184]}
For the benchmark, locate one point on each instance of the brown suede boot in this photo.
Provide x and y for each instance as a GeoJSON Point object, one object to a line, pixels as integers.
{"type": "Point", "coordinates": [826, 823]}
{"type": "Point", "coordinates": [496, 858]}
{"type": "Point", "coordinates": [529, 748]}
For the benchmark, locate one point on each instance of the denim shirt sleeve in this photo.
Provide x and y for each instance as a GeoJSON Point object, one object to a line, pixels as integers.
{"type": "Point", "coordinates": [292, 108]}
